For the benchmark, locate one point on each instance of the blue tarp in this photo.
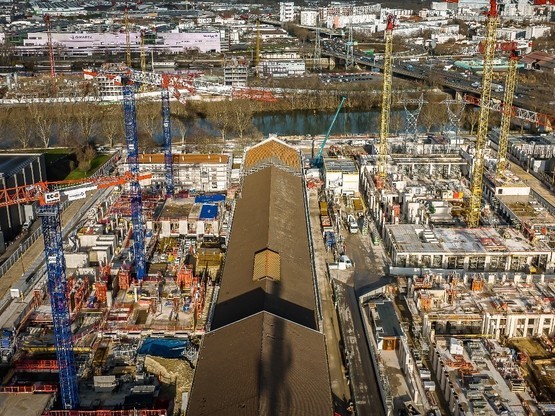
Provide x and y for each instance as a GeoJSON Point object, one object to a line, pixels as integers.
{"type": "Point", "coordinates": [203, 199]}
{"type": "Point", "coordinates": [163, 347]}
{"type": "Point", "coordinates": [208, 212]}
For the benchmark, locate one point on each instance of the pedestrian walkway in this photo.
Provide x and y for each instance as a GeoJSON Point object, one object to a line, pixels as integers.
{"type": "Point", "coordinates": [37, 249]}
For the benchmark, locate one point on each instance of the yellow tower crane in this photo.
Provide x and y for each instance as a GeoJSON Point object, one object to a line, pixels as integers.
{"type": "Point", "coordinates": [257, 51]}
{"type": "Point", "coordinates": [386, 97]}
{"type": "Point", "coordinates": [510, 84]}
{"type": "Point", "coordinates": [475, 202]}
{"type": "Point", "coordinates": [143, 53]}
{"type": "Point", "coordinates": [127, 40]}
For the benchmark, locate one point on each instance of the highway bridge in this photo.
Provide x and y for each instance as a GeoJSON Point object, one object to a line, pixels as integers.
{"type": "Point", "coordinates": [456, 83]}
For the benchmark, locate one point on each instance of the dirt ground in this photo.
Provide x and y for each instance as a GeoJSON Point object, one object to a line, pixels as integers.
{"type": "Point", "coordinates": [176, 377]}
{"type": "Point", "coordinates": [533, 349]}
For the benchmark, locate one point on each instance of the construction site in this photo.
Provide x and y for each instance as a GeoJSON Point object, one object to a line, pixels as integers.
{"type": "Point", "coordinates": [147, 279]}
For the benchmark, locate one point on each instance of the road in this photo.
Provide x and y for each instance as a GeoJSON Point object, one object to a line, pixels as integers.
{"type": "Point", "coordinates": [464, 83]}
{"type": "Point", "coordinates": [369, 269]}
{"type": "Point", "coordinates": [339, 387]}
{"type": "Point", "coordinates": [36, 249]}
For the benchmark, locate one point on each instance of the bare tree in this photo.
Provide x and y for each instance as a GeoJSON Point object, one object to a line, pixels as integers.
{"type": "Point", "coordinates": [23, 130]}
{"type": "Point", "coordinates": [242, 112]}
{"type": "Point", "coordinates": [396, 122]}
{"type": "Point", "coordinates": [220, 116]}
{"type": "Point", "coordinates": [43, 119]}
{"type": "Point", "coordinates": [182, 125]}
{"type": "Point", "coordinates": [472, 117]}
{"type": "Point", "coordinates": [64, 125]}
{"type": "Point", "coordinates": [149, 119]}
{"type": "Point", "coordinates": [428, 116]}
{"type": "Point", "coordinates": [111, 125]}
{"type": "Point", "coordinates": [86, 116]}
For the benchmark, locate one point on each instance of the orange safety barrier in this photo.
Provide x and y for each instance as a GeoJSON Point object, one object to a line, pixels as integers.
{"type": "Point", "coordinates": [37, 365]}
{"type": "Point", "coordinates": [38, 388]}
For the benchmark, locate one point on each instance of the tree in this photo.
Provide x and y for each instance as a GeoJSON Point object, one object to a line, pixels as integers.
{"type": "Point", "coordinates": [396, 122]}
{"type": "Point", "coordinates": [85, 155]}
{"type": "Point", "coordinates": [149, 120]}
{"type": "Point", "coordinates": [428, 116]}
{"type": "Point", "coordinates": [242, 112]}
{"type": "Point", "coordinates": [64, 125]}
{"type": "Point", "coordinates": [86, 116]}
{"type": "Point", "coordinates": [182, 125]}
{"type": "Point", "coordinates": [43, 119]}
{"type": "Point", "coordinates": [220, 115]}
{"type": "Point", "coordinates": [23, 130]}
{"type": "Point", "coordinates": [472, 117]}
{"type": "Point", "coordinates": [112, 124]}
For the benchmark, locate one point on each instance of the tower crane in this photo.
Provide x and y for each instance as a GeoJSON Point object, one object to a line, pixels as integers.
{"type": "Point", "coordinates": [143, 53]}
{"type": "Point", "coordinates": [166, 130]}
{"type": "Point", "coordinates": [510, 83]}
{"type": "Point", "coordinates": [318, 159]}
{"type": "Point", "coordinates": [257, 51]}
{"type": "Point", "coordinates": [127, 39]}
{"type": "Point", "coordinates": [533, 117]}
{"type": "Point", "coordinates": [48, 23]}
{"type": "Point", "coordinates": [130, 113]}
{"type": "Point", "coordinates": [48, 195]}
{"type": "Point", "coordinates": [386, 97]}
{"type": "Point", "coordinates": [475, 201]}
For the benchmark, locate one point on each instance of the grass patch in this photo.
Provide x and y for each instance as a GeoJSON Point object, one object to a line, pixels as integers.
{"type": "Point", "coordinates": [98, 161]}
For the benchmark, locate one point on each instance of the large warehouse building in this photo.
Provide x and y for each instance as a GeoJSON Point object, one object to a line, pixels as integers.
{"type": "Point", "coordinates": [265, 353]}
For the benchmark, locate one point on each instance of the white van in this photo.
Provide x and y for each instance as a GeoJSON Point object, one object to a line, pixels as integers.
{"type": "Point", "coordinates": [352, 224]}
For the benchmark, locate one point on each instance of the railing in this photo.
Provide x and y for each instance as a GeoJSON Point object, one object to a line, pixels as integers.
{"type": "Point", "coordinates": [132, 412]}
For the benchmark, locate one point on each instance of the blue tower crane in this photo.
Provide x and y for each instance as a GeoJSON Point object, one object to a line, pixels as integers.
{"type": "Point", "coordinates": [48, 195]}
{"type": "Point", "coordinates": [136, 198]}
{"type": "Point", "coordinates": [166, 128]}
{"type": "Point", "coordinates": [57, 289]}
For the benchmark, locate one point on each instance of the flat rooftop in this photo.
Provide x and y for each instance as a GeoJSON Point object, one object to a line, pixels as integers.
{"type": "Point", "coordinates": [483, 373]}
{"type": "Point", "coordinates": [415, 239]}
{"type": "Point", "coordinates": [387, 320]}
{"type": "Point", "coordinates": [177, 208]}
{"type": "Point", "coordinates": [340, 165]}
{"type": "Point", "coordinates": [9, 163]}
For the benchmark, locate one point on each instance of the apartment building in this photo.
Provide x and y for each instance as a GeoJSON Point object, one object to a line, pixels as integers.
{"type": "Point", "coordinates": [200, 172]}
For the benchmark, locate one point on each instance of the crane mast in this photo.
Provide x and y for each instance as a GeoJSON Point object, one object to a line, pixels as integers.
{"type": "Point", "coordinates": [257, 51]}
{"type": "Point", "coordinates": [166, 129]}
{"type": "Point", "coordinates": [510, 84]}
{"type": "Point", "coordinates": [127, 40]}
{"type": "Point", "coordinates": [50, 46]}
{"type": "Point", "coordinates": [475, 202]}
{"type": "Point", "coordinates": [130, 113]}
{"type": "Point", "coordinates": [318, 158]}
{"type": "Point", "coordinates": [386, 97]}
{"type": "Point", "coordinates": [57, 289]}
{"type": "Point", "coordinates": [143, 52]}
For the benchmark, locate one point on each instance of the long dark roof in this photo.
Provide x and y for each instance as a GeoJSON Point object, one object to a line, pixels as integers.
{"type": "Point", "coordinates": [263, 355]}
{"type": "Point", "coordinates": [270, 214]}
{"type": "Point", "coordinates": [261, 365]}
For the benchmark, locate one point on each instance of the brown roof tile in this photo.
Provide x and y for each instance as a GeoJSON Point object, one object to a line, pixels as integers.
{"type": "Point", "coordinates": [261, 365]}
{"type": "Point", "coordinates": [270, 214]}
